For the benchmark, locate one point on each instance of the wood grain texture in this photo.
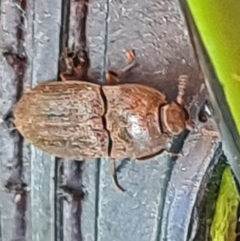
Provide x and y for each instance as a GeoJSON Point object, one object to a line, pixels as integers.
{"type": "Point", "coordinates": [24, 24]}
{"type": "Point", "coordinates": [157, 33]}
{"type": "Point", "coordinates": [70, 200]}
{"type": "Point", "coordinates": [42, 38]}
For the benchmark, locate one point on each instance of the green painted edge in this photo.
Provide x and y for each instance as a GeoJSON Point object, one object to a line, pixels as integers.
{"type": "Point", "coordinates": [218, 23]}
{"type": "Point", "coordinates": [225, 216]}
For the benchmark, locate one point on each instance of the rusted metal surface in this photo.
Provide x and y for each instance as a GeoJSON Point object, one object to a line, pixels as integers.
{"type": "Point", "coordinates": [70, 200]}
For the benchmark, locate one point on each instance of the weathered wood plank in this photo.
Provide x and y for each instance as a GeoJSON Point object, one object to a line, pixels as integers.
{"type": "Point", "coordinates": [96, 34]}
{"type": "Point", "coordinates": [13, 62]}
{"type": "Point", "coordinates": [79, 220]}
{"type": "Point", "coordinates": [157, 33]}
{"type": "Point", "coordinates": [27, 37]}
{"type": "Point", "coordinates": [45, 21]}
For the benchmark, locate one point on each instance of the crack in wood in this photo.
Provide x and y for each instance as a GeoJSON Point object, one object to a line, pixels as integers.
{"type": "Point", "coordinates": [58, 209]}
{"type": "Point", "coordinates": [103, 77]}
{"type": "Point", "coordinates": [72, 189]}
{"type": "Point", "coordinates": [74, 195]}
{"type": "Point", "coordinates": [80, 40]}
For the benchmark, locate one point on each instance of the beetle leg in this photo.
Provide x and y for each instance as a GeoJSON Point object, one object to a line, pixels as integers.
{"type": "Point", "coordinates": [81, 65]}
{"type": "Point", "coordinates": [8, 121]}
{"type": "Point", "coordinates": [63, 77]}
{"type": "Point", "coordinates": [66, 63]}
{"type": "Point", "coordinates": [206, 132]}
{"type": "Point", "coordinates": [113, 77]}
{"type": "Point", "coordinates": [131, 59]}
{"type": "Point", "coordinates": [114, 176]}
{"type": "Point", "coordinates": [189, 125]}
{"type": "Point", "coordinates": [130, 55]}
{"type": "Point", "coordinates": [174, 154]}
{"type": "Point", "coordinates": [75, 65]}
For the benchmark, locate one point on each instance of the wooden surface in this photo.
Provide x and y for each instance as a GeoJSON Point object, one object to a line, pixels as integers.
{"type": "Point", "coordinates": [69, 200]}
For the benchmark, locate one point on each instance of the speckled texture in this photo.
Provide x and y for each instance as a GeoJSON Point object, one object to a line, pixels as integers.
{"type": "Point", "coordinates": [25, 34]}
{"type": "Point", "coordinates": [77, 120]}
{"type": "Point", "coordinates": [158, 34]}
{"type": "Point", "coordinates": [64, 119]}
{"type": "Point", "coordinates": [133, 120]}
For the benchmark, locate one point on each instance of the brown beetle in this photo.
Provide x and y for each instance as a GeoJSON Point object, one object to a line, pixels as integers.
{"type": "Point", "coordinates": [76, 119]}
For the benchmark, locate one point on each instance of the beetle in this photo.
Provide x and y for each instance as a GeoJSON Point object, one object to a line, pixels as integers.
{"type": "Point", "coordinates": [77, 119]}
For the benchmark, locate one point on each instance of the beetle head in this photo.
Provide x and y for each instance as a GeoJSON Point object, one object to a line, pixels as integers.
{"type": "Point", "coordinates": [175, 118]}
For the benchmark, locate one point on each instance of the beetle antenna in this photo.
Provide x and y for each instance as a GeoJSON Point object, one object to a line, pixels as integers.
{"type": "Point", "coordinates": [182, 82]}
{"type": "Point", "coordinates": [114, 176]}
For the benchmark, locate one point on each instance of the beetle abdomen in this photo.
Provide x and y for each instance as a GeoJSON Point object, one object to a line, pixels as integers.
{"type": "Point", "coordinates": [76, 120]}
{"type": "Point", "coordinates": [64, 119]}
